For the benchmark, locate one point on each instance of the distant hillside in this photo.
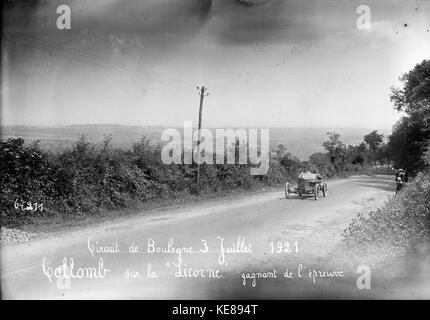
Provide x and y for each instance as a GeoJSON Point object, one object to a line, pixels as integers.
{"type": "Point", "coordinates": [54, 137]}
{"type": "Point", "coordinates": [301, 142]}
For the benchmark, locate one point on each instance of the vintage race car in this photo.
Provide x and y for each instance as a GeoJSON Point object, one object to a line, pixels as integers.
{"type": "Point", "coordinates": [308, 183]}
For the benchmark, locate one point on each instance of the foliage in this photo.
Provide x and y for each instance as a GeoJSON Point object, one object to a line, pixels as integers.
{"type": "Point", "coordinates": [408, 143]}
{"type": "Point", "coordinates": [321, 163]}
{"type": "Point", "coordinates": [88, 178]}
{"type": "Point", "coordinates": [403, 223]}
{"type": "Point", "coordinates": [426, 155]}
{"type": "Point", "coordinates": [373, 140]}
{"type": "Point", "coordinates": [336, 150]}
{"type": "Point", "coordinates": [414, 97]}
{"type": "Point", "coordinates": [341, 159]}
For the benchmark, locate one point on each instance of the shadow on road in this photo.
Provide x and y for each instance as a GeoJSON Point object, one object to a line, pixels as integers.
{"type": "Point", "coordinates": [310, 197]}
{"type": "Point", "coordinates": [386, 186]}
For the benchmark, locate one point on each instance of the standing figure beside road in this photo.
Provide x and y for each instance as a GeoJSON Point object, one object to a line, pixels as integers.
{"type": "Point", "coordinates": [400, 179]}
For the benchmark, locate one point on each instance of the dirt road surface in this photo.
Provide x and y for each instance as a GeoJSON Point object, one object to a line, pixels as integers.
{"type": "Point", "coordinates": [269, 233]}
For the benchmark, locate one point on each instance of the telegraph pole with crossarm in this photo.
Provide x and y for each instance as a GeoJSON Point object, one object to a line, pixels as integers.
{"type": "Point", "coordinates": [203, 93]}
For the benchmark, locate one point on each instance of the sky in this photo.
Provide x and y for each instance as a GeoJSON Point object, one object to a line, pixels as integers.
{"type": "Point", "coordinates": [268, 63]}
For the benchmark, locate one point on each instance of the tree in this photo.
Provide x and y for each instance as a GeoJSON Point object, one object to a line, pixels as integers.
{"type": "Point", "coordinates": [414, 97]}
{"type": "Point", "coordinates": [320, 162]}
{"type": "Point", "coordinates": [373, 140]}
{"type": "Point", "coordinates": [381, 155]}
{"type": "Point", "coordinates": [426, 156]}
{"type": "Point", "coordinates": [287, 160]}
{"type": "Point", "coordinates": [336, 149]}
{"type": "Point", "coordinates": [408, 143]}
{"type": "Point", "coordinates": [281, 151]}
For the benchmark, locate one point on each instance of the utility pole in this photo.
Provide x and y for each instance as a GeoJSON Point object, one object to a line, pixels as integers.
{"type": "Point", "coordinates": [203, 93]}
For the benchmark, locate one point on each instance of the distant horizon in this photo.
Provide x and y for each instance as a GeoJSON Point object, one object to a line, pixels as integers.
{"type": "Point", "coordinates": [300, 141]}
{"type": "Point", "coordinates": [195, 126]}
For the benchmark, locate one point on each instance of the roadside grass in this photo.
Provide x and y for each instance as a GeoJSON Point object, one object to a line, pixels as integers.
{"type": "Point", "coordinates": [400, 227]}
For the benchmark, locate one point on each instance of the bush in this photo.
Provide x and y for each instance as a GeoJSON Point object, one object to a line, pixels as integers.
{"type": "Point", "coordinates": [88, 178]}
{"type": "Point", "coordinates": [403, 223]}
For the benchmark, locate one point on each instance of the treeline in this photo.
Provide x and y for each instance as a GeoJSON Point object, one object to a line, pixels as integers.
{"type": "Point", "coordinates": [340, 159]}
{"type": "Point", "coordinates": [366, 157]}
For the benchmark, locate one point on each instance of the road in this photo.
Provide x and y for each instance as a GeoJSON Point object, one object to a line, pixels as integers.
{"type": "Point", "coordinates": [266, 231]}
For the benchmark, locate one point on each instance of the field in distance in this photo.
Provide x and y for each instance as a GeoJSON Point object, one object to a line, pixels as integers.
{"type": "Point", "coordinates": [301, 142]}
